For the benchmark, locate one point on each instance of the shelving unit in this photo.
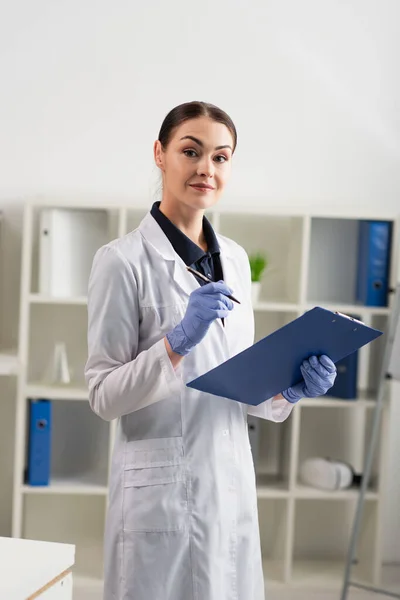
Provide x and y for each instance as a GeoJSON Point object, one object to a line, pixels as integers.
{"type": "Point", "coordinates": [304, 531]}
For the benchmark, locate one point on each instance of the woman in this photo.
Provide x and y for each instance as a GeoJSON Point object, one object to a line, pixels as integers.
{"type": "Point", "coordinates": [182, 519]}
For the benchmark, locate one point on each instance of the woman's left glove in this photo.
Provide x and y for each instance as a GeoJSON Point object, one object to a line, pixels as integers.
{"type": "Point", "coordinates": [319, 375]}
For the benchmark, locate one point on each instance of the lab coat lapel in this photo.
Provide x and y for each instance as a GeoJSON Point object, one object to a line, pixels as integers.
{"type": "Point", "coordinates": [228, 264]}
{"type": "Point", "coordinates": [186, 281]}
{"type": "Point", "coordinates": [228, 273]}
{"type": "Point", "coordinates": [153, 233]}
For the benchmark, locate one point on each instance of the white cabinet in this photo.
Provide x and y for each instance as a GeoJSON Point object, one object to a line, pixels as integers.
{"type": "Point", "coordinates": [304, 532]}
{"type": "Point", "coordinates": [34, 569]}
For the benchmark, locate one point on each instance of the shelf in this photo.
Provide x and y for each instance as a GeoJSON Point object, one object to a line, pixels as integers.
{"type": "Point", "coordinates": [276, 307]}
{"type": "Point", "coordinates": [350, 309]}
{"type": "Point", "coordinates": [363, 401]}
{"type": "Point", "coordinates": [323, 574]}
{"type": "Point", "coordinates": [85, 585]}
{"type": "Point", "coordinates": [271, 487]}
{"type": "Point", "coordinates": [73, 486]}
{"type": "Point", "coordinates": [273, 571]}
{"type": "Point", "coordinates": [41, 299]}
{"type": "Point", "coordinates": [304, 492]}
{"type": "Point", "coordinates": [38, 390]}
{"type": "Point", "coordinates": [9, 364]}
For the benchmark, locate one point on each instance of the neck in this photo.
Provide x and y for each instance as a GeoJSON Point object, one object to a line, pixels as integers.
{"type": "Point", "coordinates": [188, 220]}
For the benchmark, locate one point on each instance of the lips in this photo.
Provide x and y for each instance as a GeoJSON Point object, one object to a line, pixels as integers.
{"type": "Point", "coordinates": [201, 186]}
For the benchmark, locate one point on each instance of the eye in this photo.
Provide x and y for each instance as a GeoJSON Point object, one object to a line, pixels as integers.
{"type": "Point", "coordinates": [190, 153]}
{"type": "Point", "coordinates": [221, 158]}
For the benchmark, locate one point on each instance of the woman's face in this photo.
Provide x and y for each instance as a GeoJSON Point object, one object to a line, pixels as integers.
{"type": "Point", "coordinates": [196, 163]}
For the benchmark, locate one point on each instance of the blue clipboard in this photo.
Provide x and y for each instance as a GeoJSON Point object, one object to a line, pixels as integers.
{"type": "Point", "coordinates": [273, 364]}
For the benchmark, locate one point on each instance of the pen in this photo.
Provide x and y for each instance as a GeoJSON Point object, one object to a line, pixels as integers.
{"type": "Point", "coordinates": [204, 278]}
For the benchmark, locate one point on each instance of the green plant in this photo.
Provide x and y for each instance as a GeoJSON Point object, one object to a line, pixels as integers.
{"type": "Point", "coordinates": [258, 262]}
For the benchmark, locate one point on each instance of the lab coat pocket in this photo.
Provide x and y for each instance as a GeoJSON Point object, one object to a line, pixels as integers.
{"type": "Point", "coordinates": [155, 494]}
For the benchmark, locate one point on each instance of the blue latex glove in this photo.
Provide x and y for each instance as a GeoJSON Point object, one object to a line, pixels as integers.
{"type": "Point", "coordinates": [319, 375]}
{"type": "Point", "coordinates": [207, 303]}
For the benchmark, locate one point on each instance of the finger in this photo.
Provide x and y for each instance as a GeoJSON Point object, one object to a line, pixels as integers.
{"type": "Point", "coordinates": [222, 314]}
{"type": "Point", "coordinates": [227, 302]}
{"type": "Point", "coordinates": [319, 368]}
{"type": "Point", "coordinates": [215, 287]}
{"type": "Point", "coordinates": [310, 374]}
{"type": "Point", "coordinates": [211, 300]}
{"type": "Point", "coordinates": [305, 374]}
{"type": "Point", "coordinates": [323, 372]}
{"type": "Point", "coordinates": [215, 304]}
{"type": "Point", "coordinates": [327, 363]}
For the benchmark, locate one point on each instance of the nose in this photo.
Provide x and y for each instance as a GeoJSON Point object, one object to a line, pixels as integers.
{"type": "Point", "coordinates": [205, 167]}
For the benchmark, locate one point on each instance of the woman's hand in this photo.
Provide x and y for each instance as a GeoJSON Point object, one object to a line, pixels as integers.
{"type": "Point", "coordinates": [206, 304]}
{"type": "Point", "coordinates": [319, 375]}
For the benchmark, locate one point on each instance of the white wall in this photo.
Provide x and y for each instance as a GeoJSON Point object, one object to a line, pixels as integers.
{"type": "Point", "coordinates": [313, 87]}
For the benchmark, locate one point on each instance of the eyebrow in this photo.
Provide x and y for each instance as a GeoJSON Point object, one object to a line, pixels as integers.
{"type": "Point", "coordinates": [200, 143]}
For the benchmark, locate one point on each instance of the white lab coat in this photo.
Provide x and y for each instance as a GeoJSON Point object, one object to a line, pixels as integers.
{"type": "Point", "coordinates": [182, 519]}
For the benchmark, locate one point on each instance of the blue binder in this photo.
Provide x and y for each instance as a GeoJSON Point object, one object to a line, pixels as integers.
{"type": "Point", "coordinates": [273, 364]}
{"type": "Point", "coordinates": [345, 386]}
{"type": "Point", "coordinates": [374, 244]}
{"type": "Point", "coordinates": [39, 450]}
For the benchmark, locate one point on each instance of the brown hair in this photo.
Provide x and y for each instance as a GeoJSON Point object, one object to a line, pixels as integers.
{"type": "Point", "coordinates": [193, 110]}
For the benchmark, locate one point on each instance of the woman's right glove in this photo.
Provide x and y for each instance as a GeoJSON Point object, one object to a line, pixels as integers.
{"type": "Point", "coordinates": [207, 303]}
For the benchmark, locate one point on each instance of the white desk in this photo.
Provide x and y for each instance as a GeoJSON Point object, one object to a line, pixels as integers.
{"type": "Point", "coordinates": [30, 570]}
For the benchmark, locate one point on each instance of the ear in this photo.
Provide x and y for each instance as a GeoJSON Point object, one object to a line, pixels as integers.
{"type": "Point", "coordinates": [159, 155]}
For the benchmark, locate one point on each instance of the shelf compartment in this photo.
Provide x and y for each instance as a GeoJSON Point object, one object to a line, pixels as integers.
{"type": "Point", "coordinates": [51, 324]}
{"type": "Point", "coordinates": [79, 451]}
{"type": "Point", "coordinates": [273, 537]}
{"type": "Point", "coordinates": [333, 432]}
{"type": "Point", "coordinates": [271, 443]}
{"type": "Point", "coordinates": [74, 236]}
{"type": "Point", "coordinates": [280, 238]}
{"type": "Point", "coordinates": [56, 518]}
{"type": "Point", "coordinates": [378, 469]}
{"type": "Point", "coordinates": [270, 487]}
{"type": "Point", "coordinates": [268, 322]}
{"type": "Point", "coordinates": [321, 541]}
{"type": "Point", "coordinates": [333, 262]}
{"type": "Point", "coordinates": [375, 353]}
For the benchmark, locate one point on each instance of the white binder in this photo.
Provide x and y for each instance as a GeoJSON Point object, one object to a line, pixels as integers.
{"type": "Point", "coordinates": [68, 240]}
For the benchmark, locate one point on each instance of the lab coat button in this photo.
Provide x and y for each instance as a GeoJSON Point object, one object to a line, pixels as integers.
{"type": "Point", "coordinates": [225, 432]}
